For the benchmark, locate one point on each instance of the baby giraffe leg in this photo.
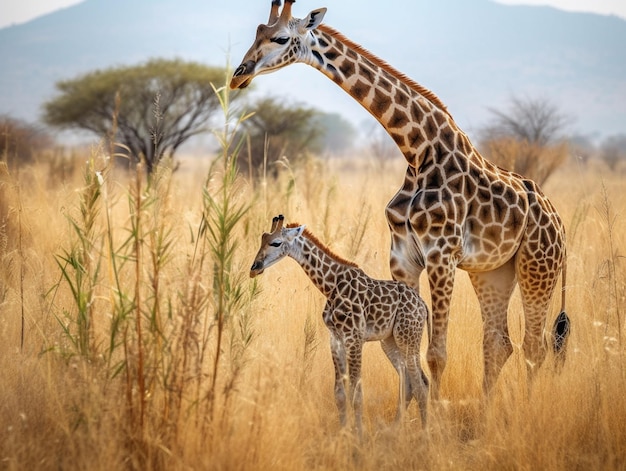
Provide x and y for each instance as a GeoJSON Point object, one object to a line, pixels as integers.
{"type": "Point", "coordinates": [405, 387]}
{"type": "Point", "coordinates": [420, 384]}
{"type": "Point", "coordinates": [354, 351]}
{"type": "Point", "coordinates": [407, 334]}
{"type": "Point", "coordinates": [339, 360]}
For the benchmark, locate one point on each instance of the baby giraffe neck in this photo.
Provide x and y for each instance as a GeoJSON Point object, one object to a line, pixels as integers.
{"type": "Point", "coordinates": [322, 267]}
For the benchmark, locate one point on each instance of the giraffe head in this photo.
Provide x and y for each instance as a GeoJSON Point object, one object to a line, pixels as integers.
{"type": "Point", "coordinates": [275, 245]}
{"type": "Point", "coordinates": [282, 41]}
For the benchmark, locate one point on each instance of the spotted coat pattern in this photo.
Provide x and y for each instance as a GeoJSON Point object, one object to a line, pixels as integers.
{"type": "Point", "coordinates": [359, 309]}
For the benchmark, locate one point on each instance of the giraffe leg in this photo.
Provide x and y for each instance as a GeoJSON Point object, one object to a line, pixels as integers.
{"type": "Point", "coordinates": [416, 382]}
{"type": "Point", "coordinates": [539, 263]}
{"type": "Point", "coordinates": [339, 360]}
{"type": "Point", "coordinates": [403, 349]}
{"type": "Point", "coordinates": [534, 344]}
{"type": "Point", "coordinates": [441, 279]}
{"type": "Point", "coordinates": [494, 289]}
{"type": "Point", "coordinates": [354, 351]}
{"type": "Point", "coordinates": [419, 383]}
{"type": "Point", "coordinates": [536, 294]}
{"type": "Point", "coordinates": [405, 388]}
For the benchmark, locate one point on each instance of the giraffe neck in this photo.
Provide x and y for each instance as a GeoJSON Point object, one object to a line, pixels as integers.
{"type": "Point", "coordinates": [411, 114]}
{"type": "Point", "coordinates": [323, 267]}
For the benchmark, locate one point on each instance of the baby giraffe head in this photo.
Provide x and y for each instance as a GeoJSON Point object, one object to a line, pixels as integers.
{"type": "Point", "coordinates": [275, 245]}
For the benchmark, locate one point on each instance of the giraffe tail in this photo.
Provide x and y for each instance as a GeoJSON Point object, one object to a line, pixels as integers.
{"type": "Point", "coordinates": [561, 333]}
{"type": "Point", "coordinates": [562, 327]}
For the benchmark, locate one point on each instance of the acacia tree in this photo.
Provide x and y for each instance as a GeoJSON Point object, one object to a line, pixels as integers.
{"type": "Point", "coordinates": [277, 129]}
{"type": "Point", "coordinates": [151, 108]}
{"type": "Point", "coordinates": [526, 138]}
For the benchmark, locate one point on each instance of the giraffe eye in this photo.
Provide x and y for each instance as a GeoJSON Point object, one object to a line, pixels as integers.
{"type": "Point", "coordinates": [280, 40]}
{"type": "Point", "coordinates": [276, 244]}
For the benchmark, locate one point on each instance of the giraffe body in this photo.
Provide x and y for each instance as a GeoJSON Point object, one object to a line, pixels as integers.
{"type": "Point", "coordinates": [359, 309]}
{"type": "Point", "coordinates": [454, 209]}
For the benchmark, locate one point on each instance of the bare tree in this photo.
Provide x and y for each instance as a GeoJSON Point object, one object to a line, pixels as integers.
{"type": "Point", "coordinates": [526, 138]}
{"type": "Point", "coordinates": [537, 121]}
{"type": "Point", "coordinates": [613, 151]}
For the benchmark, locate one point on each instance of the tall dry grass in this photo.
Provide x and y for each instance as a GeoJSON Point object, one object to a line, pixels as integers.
{"type": "Point", "coordinates": [145, 346]}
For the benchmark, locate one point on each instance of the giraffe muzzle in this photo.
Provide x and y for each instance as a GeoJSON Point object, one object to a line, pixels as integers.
{"type": "Point", "coordinates": [256, 269]}
{"type": "Point", "coordinates": [243, 75]}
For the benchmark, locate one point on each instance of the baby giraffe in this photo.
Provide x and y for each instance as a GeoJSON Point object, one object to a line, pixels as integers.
{"type": "Point", "coordinates": [359, 309]}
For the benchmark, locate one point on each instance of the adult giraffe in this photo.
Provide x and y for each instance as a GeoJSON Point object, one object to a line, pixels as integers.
{"type": "Point", "coordinates": [454, 210]}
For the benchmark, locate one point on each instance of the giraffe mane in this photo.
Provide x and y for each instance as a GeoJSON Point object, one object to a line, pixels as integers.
{"type": "Point", "coordinates": [412, 84]}
{"type": "Point", "coordinates": [309, 235]}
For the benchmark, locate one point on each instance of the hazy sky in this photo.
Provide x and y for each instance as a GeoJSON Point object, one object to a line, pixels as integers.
{"type": "Point", "coordinates": [20, 11]}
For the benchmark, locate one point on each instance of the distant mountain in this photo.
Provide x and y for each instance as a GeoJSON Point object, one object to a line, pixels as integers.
{"type": "Point", "coordinates": [474, 54]}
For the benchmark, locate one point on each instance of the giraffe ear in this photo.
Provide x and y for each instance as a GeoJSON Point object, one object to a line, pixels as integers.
{"type": "Point", "coordinates": [312, 20]}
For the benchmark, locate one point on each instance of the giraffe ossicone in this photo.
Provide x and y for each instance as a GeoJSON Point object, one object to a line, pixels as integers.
{"type": "Point", "coordinates": [454, 209]}
{"type": "Point", "coordinates": [359, 309]}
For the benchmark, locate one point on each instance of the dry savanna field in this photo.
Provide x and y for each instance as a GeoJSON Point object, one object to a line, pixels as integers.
{"type": "Point", "coordinates": [133, 338]}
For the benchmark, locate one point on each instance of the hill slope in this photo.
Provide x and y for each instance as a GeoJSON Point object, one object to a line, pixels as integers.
{"type": "Point", "coordinates": [474, 54]}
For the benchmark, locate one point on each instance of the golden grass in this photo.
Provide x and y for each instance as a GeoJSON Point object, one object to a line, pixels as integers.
{"type": "Point", "coordinates": [60, 411]}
